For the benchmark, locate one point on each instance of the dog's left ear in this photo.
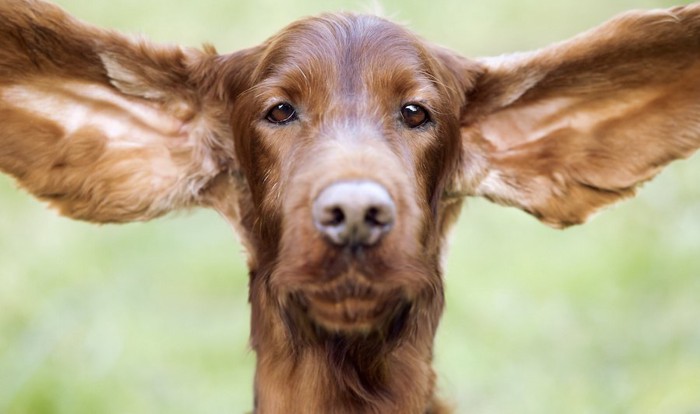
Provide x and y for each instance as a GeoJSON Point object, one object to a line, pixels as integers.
{"type": "Point", "coordinates": [566, 130]}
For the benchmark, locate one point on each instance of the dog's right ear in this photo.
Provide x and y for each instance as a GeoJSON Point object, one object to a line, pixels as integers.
{"type": "Point", "coordinates": [107, 128]}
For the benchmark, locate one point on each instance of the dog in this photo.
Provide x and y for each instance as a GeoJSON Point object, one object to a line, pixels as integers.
{"type": "Point", "coordinates": [341, 150]}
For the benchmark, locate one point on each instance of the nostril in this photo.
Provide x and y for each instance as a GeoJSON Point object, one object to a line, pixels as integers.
{"type": "Point", "coordinates": [331, 217]}
{"type": "Point", "coordinates": [371, 217]}
{"type": "Point", "coordinates": [378, 216]}
{"type": "Point", "coordinates": [337, 216]}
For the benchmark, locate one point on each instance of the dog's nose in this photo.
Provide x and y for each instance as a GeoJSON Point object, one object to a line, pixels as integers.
{"type": "Point", "coordinates": [354, 212]}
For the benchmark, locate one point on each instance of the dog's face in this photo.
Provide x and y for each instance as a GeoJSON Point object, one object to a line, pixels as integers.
{"type": "Point", "coordinates": [343, 104]}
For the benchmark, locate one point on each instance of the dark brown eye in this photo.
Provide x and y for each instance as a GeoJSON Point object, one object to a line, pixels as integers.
{"type": "Point", "coordinates": [281, 113]}
{"type": "Point", "coordinates": [414, 115]}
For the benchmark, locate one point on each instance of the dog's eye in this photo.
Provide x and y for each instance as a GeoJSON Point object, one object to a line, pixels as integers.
{"type": "Point", "coordinates": [414, 115]}
{"type": "Point", "coordinates": [281, 113]}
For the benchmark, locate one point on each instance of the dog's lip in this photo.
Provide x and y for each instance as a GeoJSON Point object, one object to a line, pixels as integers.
{"type": "Point", "coordinates": [349, 305]}
{"type": "Point", "coordinates": [343, 290]}
{"type": "Point", "coordinates": [346, 314]}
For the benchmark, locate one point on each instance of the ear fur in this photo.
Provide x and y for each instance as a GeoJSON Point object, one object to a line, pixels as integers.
{"type": "Point", "coordinates": [566, 130]}
{"type": "Point", "coordinates": [103, 127]}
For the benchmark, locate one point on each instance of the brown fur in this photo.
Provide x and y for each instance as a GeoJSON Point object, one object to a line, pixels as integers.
{"type": "Point", "coordinates": [110, 129]}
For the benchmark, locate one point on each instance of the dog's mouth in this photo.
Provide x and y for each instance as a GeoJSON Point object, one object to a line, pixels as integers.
{"type": "Point", "coordinates": [352, 293]}
{"type": "Point", "coordinates": [350, 305]}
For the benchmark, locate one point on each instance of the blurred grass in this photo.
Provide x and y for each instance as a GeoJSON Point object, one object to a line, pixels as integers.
{"type": "Point", "coordinates": [146, 318]}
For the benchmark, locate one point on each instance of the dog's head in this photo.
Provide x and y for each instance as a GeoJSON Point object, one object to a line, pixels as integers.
{"type": "Point", "coordinates": [348, 132]}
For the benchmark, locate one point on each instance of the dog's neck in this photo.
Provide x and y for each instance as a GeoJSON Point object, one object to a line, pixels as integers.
{"type": "Point", "coordinates": [342, 374]}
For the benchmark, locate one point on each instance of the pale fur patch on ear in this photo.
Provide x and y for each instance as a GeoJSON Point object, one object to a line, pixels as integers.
{"type": "Point", "coordinates": [128, 81]}
{"type": "Point", "coordinates": [121, 121]}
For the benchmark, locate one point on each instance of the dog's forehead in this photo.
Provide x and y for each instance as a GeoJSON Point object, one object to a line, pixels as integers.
{"type": "Point", "coordinates": [343, 46]}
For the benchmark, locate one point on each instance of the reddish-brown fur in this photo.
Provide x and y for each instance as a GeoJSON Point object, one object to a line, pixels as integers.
{"type": "Point", "coordinates": [109, 129]}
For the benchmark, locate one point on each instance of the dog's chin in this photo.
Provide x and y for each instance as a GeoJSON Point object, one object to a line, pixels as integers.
{"type": "Point", "coordinates": [350, 307]}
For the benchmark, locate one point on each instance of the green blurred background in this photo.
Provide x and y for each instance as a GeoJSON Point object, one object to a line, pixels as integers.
{"type": "Point", "coordinates": [153, 318]}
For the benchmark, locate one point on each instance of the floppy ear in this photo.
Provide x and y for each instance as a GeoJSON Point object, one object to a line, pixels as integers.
{"type": "Point", "coordinates": [565, 130]}
{"type": "Point", "coordinates": [103, 127]}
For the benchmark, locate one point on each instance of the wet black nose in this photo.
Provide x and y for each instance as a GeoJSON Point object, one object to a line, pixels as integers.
{"type": "Point", "coordinates": [354, 212]}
